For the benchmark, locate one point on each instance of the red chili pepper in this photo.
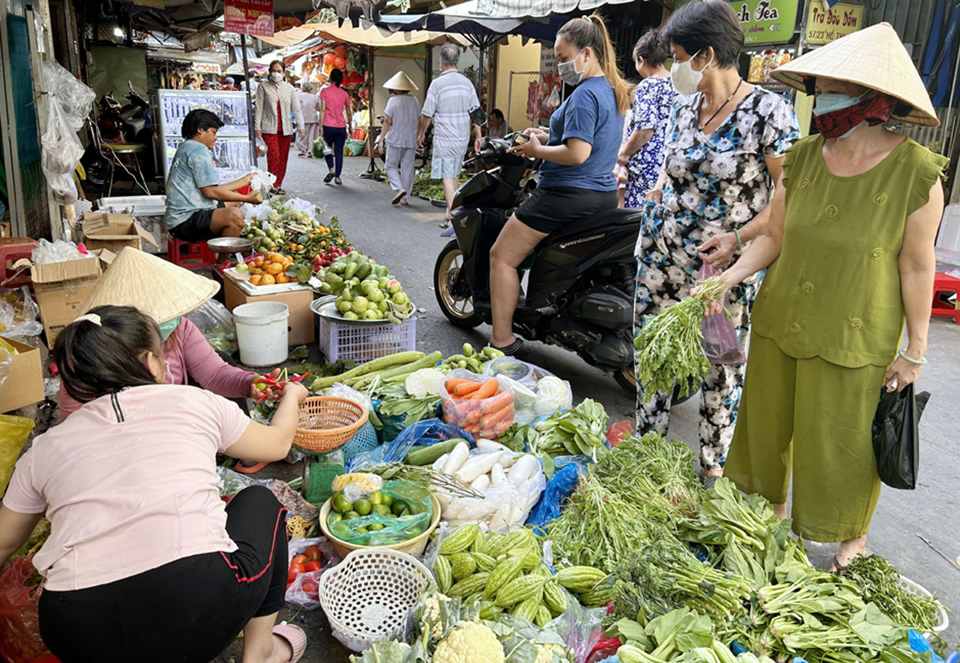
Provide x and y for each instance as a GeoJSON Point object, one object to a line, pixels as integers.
{"type": "Point", "coordinates": [297, 378]}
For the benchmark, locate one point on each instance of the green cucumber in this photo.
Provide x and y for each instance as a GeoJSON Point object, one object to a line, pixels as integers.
{"type": "Point", "coordinates": [428, 455]}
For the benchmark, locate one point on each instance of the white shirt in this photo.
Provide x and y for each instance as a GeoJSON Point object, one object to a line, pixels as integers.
{"type": "Point", "coordinates": [450, 100]}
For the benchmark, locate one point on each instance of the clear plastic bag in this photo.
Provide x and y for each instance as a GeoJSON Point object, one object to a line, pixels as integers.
{"type": "Point", "coordinates": [20, 640]}
{"type": "Point", "coordinates": [427, 432]}
{"type": "Point", "coordinates": [57, 251]}
{"type": "Point", "coordinates": [61, 153]}
{"type": "Point", "coordinates": [14, 433]}
{"type": "Point", "coordinates": [578, 628]}
{"type": "Point", "coordinates": [19, 315]}
{"type": "Point", "coordinates": [7, 352]}
{"type": "Point", "coordinates": [487, 417]}
{"type": "Point", "coordinates": [394, 530]}
{"type": "Point", "coordinates": [720, 341]}
{"type": "Point", "coordinates": [303, 592]}
{"type": "Point", "coordinates": [232, 483]}
{"type": "Point", "coordinates": [216, 324]}
{"type": "Point", "coordinates": [74, 98]}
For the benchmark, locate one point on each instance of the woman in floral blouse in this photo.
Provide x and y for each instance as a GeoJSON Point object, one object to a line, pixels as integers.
{"type": "Point", "coordinates": [724, 149]}
{"type": "Point", "coordinates": [642, 152]}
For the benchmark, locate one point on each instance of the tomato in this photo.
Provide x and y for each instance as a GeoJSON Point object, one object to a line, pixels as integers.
{"type": "Point", "coordinates": [313, 552]}
{"type": "Point", "coordinates": [295, 570]}
{"type": "Point", "coordinates": [310, 588]}
{"type": "Point", "coordinates": [312, 566]}
{"type": "Point", "coordinates": [300, 559]}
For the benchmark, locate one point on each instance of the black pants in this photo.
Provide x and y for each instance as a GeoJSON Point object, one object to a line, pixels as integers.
{"type": "Point", "coordinates": [335, 137]}
{"type": "Point", "coordinates": [189, 610]}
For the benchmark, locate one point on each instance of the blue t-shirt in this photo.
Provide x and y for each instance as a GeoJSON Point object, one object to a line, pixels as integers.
{"type": "Point", "coordinates": [590, 114]}
{"type": "Point", "coordinates": [192, 168]}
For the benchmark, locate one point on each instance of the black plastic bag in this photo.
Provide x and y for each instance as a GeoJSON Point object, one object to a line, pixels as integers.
{"type": "Point", "coordinates": [896, 436]}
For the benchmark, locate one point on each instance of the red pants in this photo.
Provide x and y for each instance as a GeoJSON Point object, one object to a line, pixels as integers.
{"type": "Point", "coordinates": [278, 149]}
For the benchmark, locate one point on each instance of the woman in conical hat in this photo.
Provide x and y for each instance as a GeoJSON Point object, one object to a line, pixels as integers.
{"type": "Point", "coordinates": [167, 293]}
{"type": "Point", "coordinates": [849, 253]}
{"type": "Point", "coordinates": [398, 141]}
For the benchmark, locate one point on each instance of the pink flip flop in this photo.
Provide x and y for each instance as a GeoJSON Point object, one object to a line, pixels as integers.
{"type": "Point", "coordinates": [295, 636]}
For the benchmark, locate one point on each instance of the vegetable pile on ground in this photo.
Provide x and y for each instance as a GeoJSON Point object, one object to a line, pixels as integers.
{"type": "Point", "coordinates": [427, 187]}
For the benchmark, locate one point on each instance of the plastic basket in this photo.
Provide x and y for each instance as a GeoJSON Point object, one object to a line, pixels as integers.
{"type": "Point", "coordinates": [943, 620]}
{"type": "Point", "coordinates": [414, 546]}
{"type": "Point", "coordinates": [365, 440]}
{"type": "Point", "coordinates": [325, 423]}
{"type": "Point", "coordinates": [365, 341]}
{"type": "Point", "coordinates": [369, 595]}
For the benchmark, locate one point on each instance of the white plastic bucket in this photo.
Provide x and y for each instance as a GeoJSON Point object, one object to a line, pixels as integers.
{"type": "Point", "coordinates": [262, 333]}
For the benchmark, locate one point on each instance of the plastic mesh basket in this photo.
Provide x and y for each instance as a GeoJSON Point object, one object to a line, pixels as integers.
{"type": "Point", "coordinates": [943, 620]}
{"type": "Point", "coordinates": [325, 423]}
{"type": "Point", "coordinates": [364, 440]}
{"type": "Point", "coordinates": [364, 342]}
{"type": "Point", "coordinates": [370, 594]}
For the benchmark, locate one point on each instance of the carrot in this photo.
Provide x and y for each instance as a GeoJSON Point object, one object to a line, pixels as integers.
{"type": "Point", "coordinates": [486, 390]}
{"type": "Point", "coordinates": [466, 387]}
{"type": "Point", "coordinates": [454, 382]}
{"type": "Point", "coordinates": [491, 419]}
{"type": "Point", "coordinates": [503, 426]}
{"type": "Point", "coordinates": [473, 429]}
{"type": "Point", "coordinates": [497, 402]}
{"type": "Point", "coordinates": [473, 417]}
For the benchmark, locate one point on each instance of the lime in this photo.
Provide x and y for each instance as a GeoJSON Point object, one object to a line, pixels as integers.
{"type": "Point", "coordinates": [398, 506]}
{"type": "Point", "coordinates": [376, 498]}
{"type": "Point", "coordinates": [340, 503]}
{"type": "Point", "coordinates": [387, 499]}
{"type": "Point", "coordinates": [350, 515]}
{"type": "Point", "coordinates": [374, 527]}
{"type": "Point", "coordinates": [361, 530]}
{"type": "Point", "coordinates": [382, 510]}
{"type": "Point", "coordinates": [362, 506]}
{"type": "Point", "coordinates": [334, 518]}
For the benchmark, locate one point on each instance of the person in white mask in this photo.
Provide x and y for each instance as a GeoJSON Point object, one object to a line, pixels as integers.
{"type": "Point", "coordinates": [849, 251]}
{"type": "Point", "coordinates": [723, 153]}
{"type": "Point", "coordinates": [276, 99]}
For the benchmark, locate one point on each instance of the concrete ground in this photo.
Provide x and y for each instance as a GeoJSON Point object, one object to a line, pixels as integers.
{"type": "Point", "coordinates": [408, 241]}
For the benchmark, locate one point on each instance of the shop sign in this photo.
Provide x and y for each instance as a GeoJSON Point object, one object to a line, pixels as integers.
{"type": "Point", "coordinates": [825, 25]}
{"type": "Point", "coordinates": [767, 21]}
{"type": "Point", "coordinates": [248, 17]}
{"type": "Point", "coordinates": [207, 68]}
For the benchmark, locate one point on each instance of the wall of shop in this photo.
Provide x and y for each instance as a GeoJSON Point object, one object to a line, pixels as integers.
{"type": "Point", "coordinates": [514, 56]}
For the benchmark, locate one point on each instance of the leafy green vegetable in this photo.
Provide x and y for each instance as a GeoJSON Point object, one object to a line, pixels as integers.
{"type": "Point", "coordinates": [879, 582]}
{"type": "Point", "coordinates": [577, 431]}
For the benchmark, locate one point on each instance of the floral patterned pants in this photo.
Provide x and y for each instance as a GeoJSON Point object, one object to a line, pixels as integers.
{"type": "Point", "coordinates": [659, 285]}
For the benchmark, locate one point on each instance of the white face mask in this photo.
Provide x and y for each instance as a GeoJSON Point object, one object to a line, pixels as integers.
{"type": "Point", "coordinates": [685, 79]}
{"type": "Point", "coordinates": [276, 76]}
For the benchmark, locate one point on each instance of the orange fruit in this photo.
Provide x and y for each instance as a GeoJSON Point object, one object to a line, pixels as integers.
{"type": "Point", "coordinates": [274, 268]}
{"type": "Point", "coordinates": [276, 258]}
{"type": "Point", "coordinates": [255, 279]}
{"type": "Point", "coordinates": [283, 278]}
{"type": "Point", "coordinates": [267, 279]}
{"type": "Point", "coordinates": [258, 261]}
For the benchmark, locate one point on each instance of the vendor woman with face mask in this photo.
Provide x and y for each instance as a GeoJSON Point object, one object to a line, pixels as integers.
{"type": "Point", "coordinates": [724, 147]}
{"type": "Point", "coordinates": [849, 254]}
{"type": "Point", "coordinates": [167, 293]}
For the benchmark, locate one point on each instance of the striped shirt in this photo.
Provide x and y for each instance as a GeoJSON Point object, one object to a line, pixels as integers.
{"type": "Point", "coordinates": [404, 111]}
{"type": "Point", "coordinates": [450, 100]}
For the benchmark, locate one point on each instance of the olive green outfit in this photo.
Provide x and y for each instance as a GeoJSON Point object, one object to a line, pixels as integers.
{"type": "Point", "coordinates": [827, 323]}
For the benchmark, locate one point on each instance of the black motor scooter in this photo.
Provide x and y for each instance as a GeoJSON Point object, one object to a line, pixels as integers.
{"type": "Point", "coordinates": [579, 281]}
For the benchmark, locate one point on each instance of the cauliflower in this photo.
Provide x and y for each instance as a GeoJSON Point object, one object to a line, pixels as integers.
{"type": "Point", "coordinates": [545, 652]}
{"type": "Point", "coordinates": [469, 643]}
{"type": "Point", "coordinates": [430, 617]}
{"type": "Point", "coordinates": [426, 381]}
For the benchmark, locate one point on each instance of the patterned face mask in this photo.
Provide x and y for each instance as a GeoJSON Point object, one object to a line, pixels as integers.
{"type": "Point", "coordinates": [840, 123]}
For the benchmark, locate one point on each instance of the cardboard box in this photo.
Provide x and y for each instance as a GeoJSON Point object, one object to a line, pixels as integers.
{"type": "Point", "coordinates": [60, 303]}
{"type": "Point", "coordinates": [301, 321]}
{"type": "Point", "coordinates": [5, 230]}
{"type": "Point", "coordinates": [68, 270]}
{"type": "Point", "coordinates": [114, 232]}
{"type": "Point", "coordinates": [24, 385]}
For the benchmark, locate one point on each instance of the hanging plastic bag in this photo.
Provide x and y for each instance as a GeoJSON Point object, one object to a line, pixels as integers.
{"type": "Point", "coordinates": [720, 341]}
{"type": "Point", "coordinates": [20, 589]}
{"type": "Point", "coordinates": [320, 148]}
{"type": "Point", "coordinates": [14, 433]}
{"type": "Point", "coordinates": [896, 436]}
{"type": "Point", "coordinates": [261, 149]}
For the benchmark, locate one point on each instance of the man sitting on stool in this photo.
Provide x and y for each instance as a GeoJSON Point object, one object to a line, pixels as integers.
{"type": "Point", "coordinates": [198, 206]}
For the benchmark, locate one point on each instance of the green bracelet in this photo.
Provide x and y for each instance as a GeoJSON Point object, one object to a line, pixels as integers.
{"type": "Point", "coordinates": [916, 362]}
{"type": "Point", "coordinates": [739, 243]}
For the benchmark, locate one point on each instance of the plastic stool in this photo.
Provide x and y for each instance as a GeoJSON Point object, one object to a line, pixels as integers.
{"type": "Point", "coordinates": [945, 285]}
{"type": "Point", "coordinates": [192, 256]}
{"type": "Point", "coordinates": [11, 250]}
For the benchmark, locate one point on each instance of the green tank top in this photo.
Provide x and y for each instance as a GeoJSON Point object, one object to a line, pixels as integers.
{"type": "Point", "coordinates": [834, 292]}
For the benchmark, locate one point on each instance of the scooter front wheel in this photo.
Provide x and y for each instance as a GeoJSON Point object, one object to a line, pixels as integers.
{"type": "Point", "coordinates": [452, 290]}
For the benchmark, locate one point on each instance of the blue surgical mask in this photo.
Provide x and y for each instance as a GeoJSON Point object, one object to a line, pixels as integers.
{"type": "Point", "coordinates": [568, 71]}
{"type": "Point", "coordinates": [828, 103]}
{"type": "Point", "coordinates": [167, 328]}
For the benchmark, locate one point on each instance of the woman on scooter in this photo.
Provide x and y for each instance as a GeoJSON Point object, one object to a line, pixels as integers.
{"type": "Point", "coordinates": [725, 144]}
{"type": "Point", "coordinates": [579, 155]}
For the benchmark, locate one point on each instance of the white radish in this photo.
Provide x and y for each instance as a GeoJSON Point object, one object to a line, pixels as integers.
{"type": "Point", "coordinates": [497, 475]}
{"type": "Point", "coordinates": [457, 458]}
{"type": "Point", "coordinates": [499, 520]}
{"type": "Point", "coordinates": [489, 445]}
{"type": "Point", "coordinates": [481, 482]}
{"type": "Point", "coordinates": [508, 459]}
{"type": "Point", "coordinates": [516, 515]}
{"type": "Point", "coordinates": [473, 511]}
{"type": "Point", "coordinates": [438, 465]}
{"type": "Point", "coordinates": [443, 500]}
{"type": "Point", "coordinates": [451, 511]}
{"type": "Point", "coordinates": [478, 465]}
{"type": "Point", "coordinates": [524, 468]}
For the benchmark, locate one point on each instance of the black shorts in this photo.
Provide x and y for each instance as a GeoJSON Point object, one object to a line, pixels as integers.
{"type": "Point", "coordinates": [548, 210]}
{"type": "Point", "coordinates": [197, 228]}
{"type": "Point", "coordinates": [189, 610]}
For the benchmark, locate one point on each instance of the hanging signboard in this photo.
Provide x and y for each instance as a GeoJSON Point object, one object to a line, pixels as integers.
{"type": "Point", "coordinates": [207, 67]}
{"type": "Point", "coordinates": [767, 21]}
{"type": "Point", "coordinates": [825, 25]}
{"type": "Point", "coordinates": [248, 17]}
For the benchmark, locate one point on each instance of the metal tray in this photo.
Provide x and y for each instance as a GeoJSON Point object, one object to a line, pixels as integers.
{"type": "Point", "coordinates": [229, 244]}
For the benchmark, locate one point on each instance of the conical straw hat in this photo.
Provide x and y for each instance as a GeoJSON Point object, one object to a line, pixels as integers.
{"type": "Point", "coordinates": [400, 81]}
{"type": "Point", "coordinates": [873, 57]}
{"type": "Point", "coordinates": [157, 287]}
